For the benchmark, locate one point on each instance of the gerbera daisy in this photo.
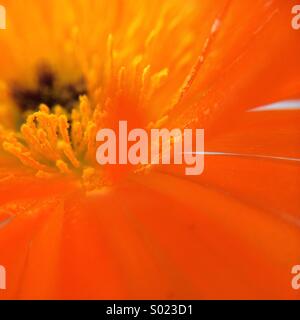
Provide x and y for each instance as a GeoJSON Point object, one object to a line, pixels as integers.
{"type": "Point", "coordinates": [71, 229]}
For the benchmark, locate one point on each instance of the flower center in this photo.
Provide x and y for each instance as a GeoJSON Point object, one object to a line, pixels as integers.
{"type": "Point", "coordinates": [58, 133]}
{"type": "Point", "coordinates": [48, 90]}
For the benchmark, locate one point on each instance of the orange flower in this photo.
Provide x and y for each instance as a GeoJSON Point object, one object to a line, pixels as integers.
{"type": "Point", "coordinates": [71, 229]}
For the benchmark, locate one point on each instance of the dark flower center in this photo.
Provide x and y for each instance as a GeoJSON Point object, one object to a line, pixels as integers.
{"type": "Point", "coordinates": [48, 91]}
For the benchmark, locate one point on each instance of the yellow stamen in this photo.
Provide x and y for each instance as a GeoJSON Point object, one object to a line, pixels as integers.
{"type": "Point", "coordinates": [63, 167]}
{"type": "Point", "coordinates": [63, 128]}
